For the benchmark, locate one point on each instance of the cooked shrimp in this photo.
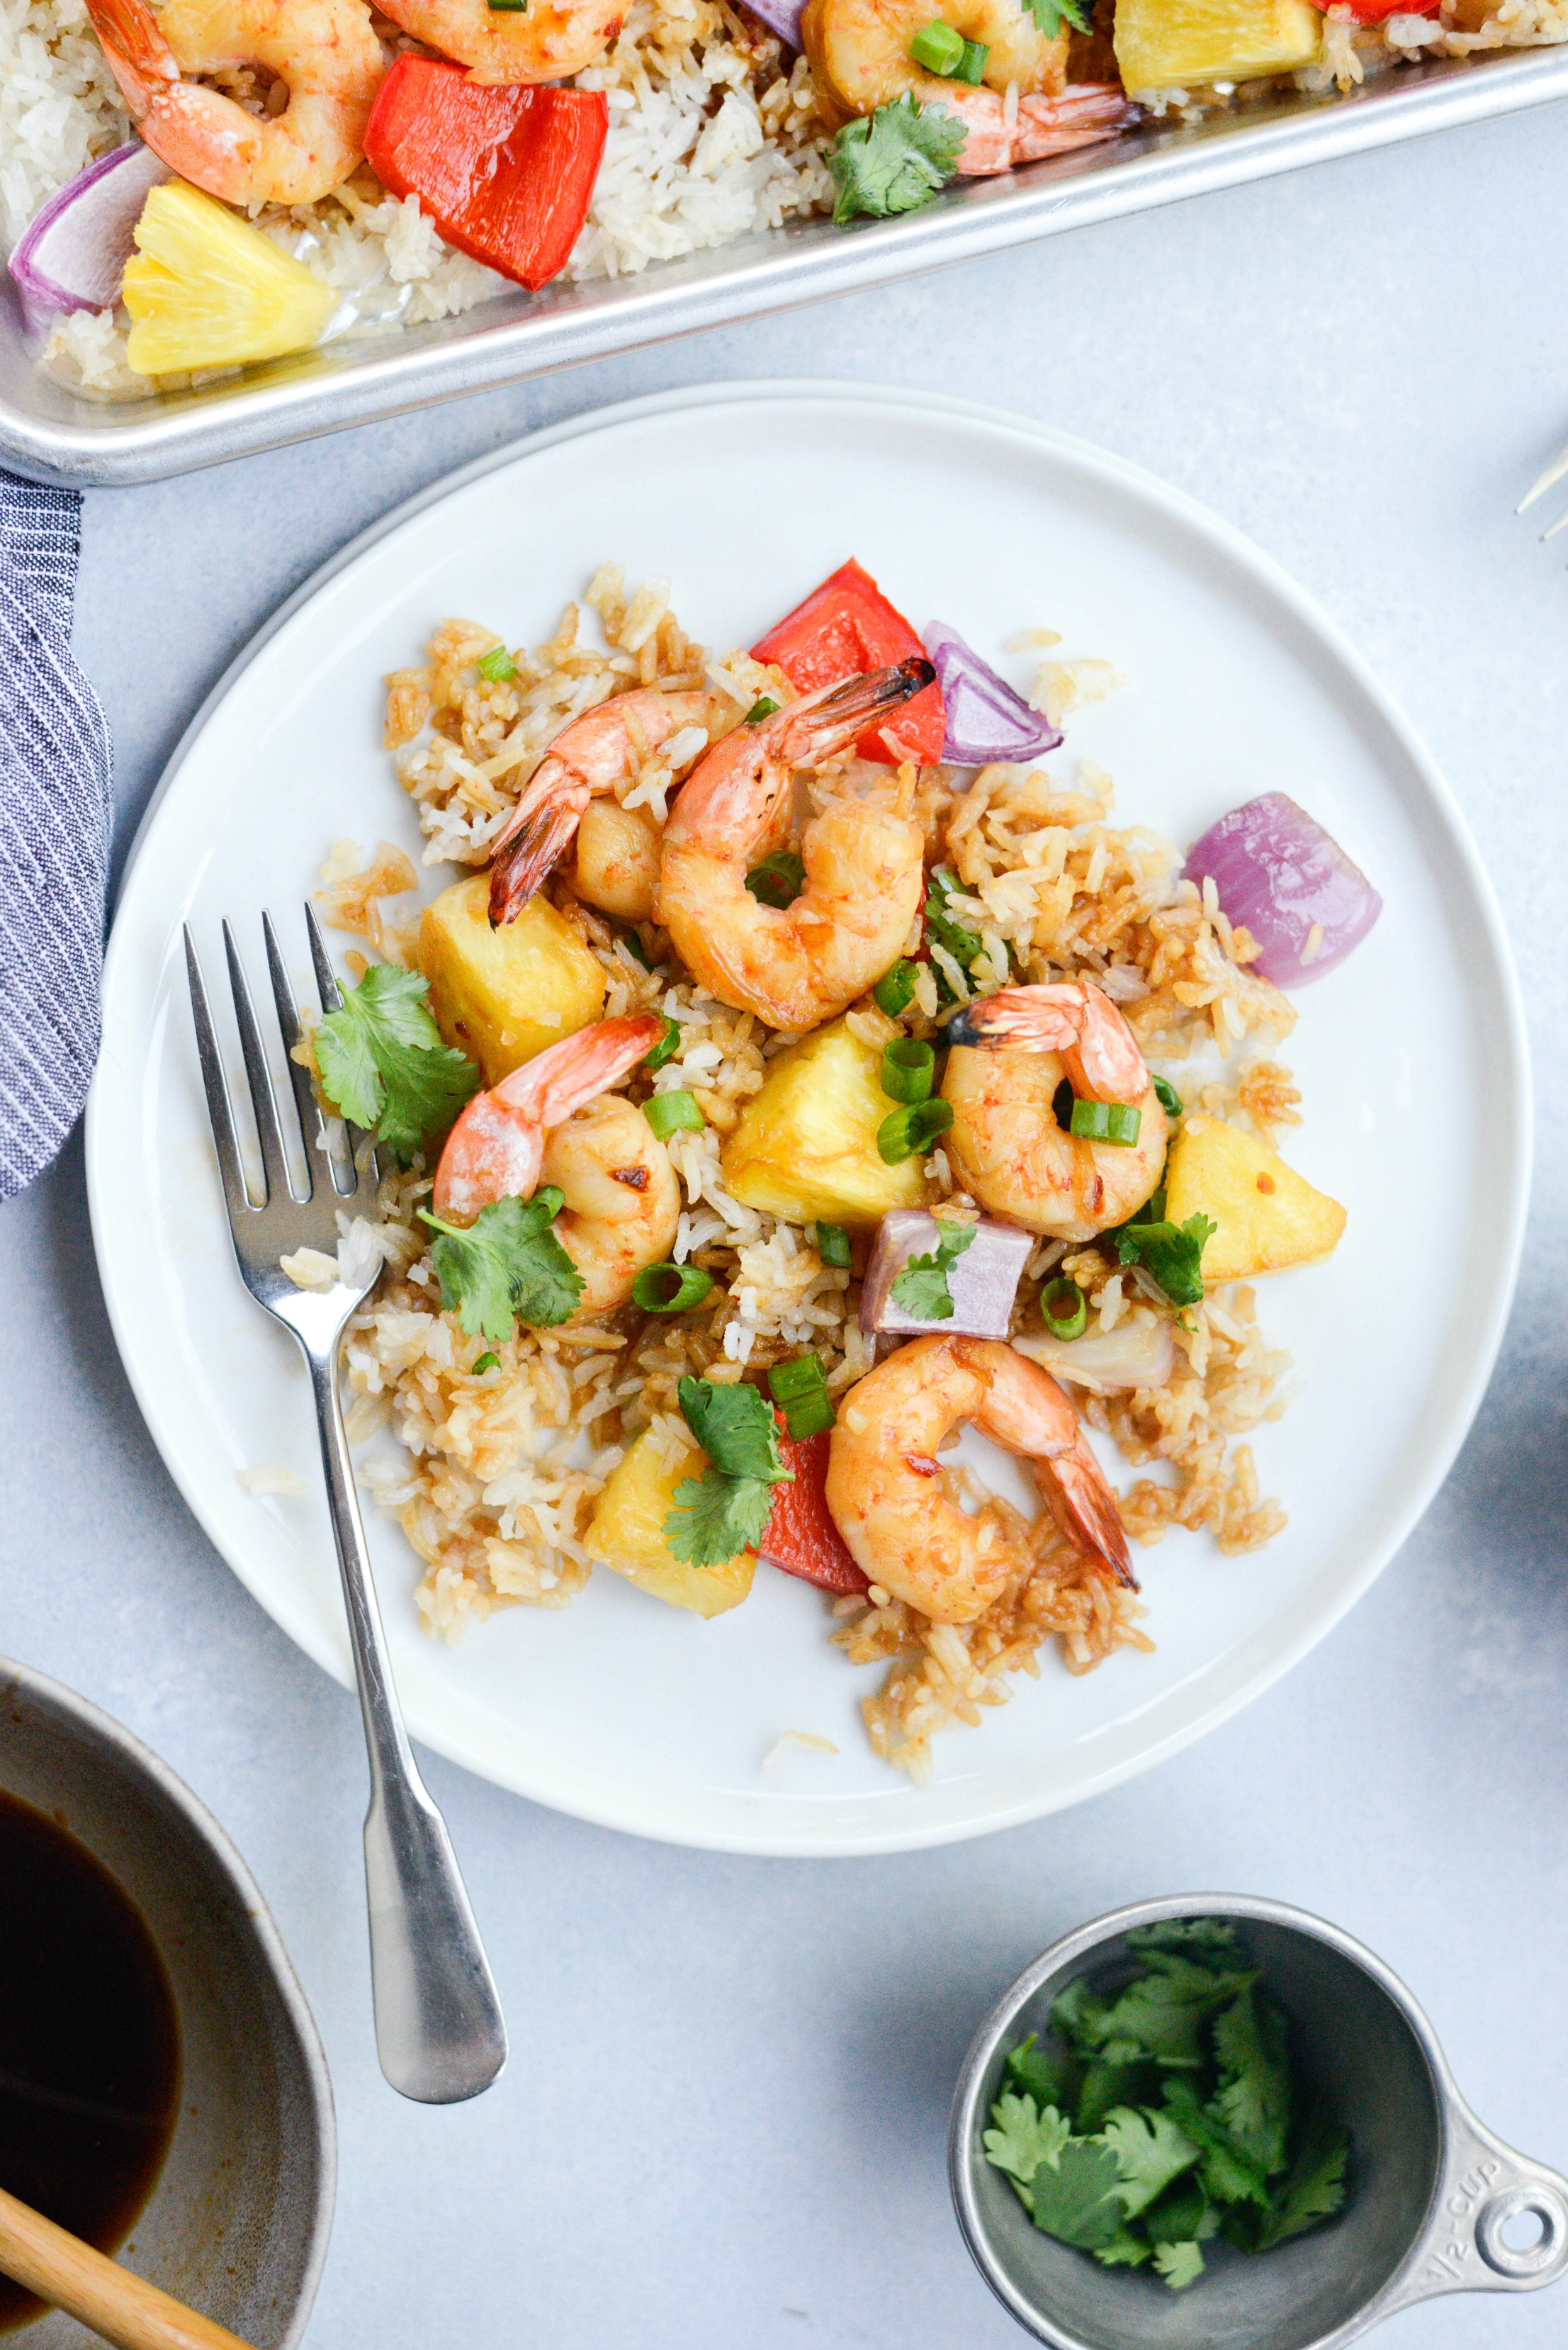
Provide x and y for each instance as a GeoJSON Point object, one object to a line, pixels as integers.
{"type": "Point", "coordinates": [1013, 1050]}
{"type": "Point", "coordinates": [543, 42]}
{"type": "Point", "coordinates": [545, 1123]}
{"type": "Point", "coordinates": [324, 50]}
{"type": "Point", "coordinates": [859, 53]}
{"type": "Point", "coordinates": [797, 965]}
{"type": "Point", "coordinates": [586, 760]}
{"type": "Point", "coordinates": [883, 1474]}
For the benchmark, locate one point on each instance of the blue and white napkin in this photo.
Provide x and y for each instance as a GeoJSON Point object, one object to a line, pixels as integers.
{"type": "Point", "coordinates": [56, 811]}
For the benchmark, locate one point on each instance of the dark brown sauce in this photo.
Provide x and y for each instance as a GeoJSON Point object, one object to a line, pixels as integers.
{"type": "Point", "coordinates": [90, 2048]}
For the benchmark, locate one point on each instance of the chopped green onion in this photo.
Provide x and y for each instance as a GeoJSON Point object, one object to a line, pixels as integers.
{"type": "Point", "coordinates": [777, 879]}
{"type": "Point", "coordinates": [1098, 1121]}
{"type": "Point", "coordinates": [799, 1387]}
{"type": "Point", "coordinates": [657, 1055]}
{"type": "Point", "coordinates": [938, 47]}
{"type": "Point", "coordinates": [894, 990]}
{"type": "Point", "coordinates": [634, 946]}
{"type": "Point", "coordinates": [1065, 1308]}
{"type": "Point", "coordinates": [667, 1113]}
{"type": "Point", "coordinates": [833, 1245]}
{"type": "Point", "coordinates": [763, 707]}
{"type": "Point", "coordinates": [485, 1363]}
{"type": "Point", "coordinates": [912, 1129]}
{"type": "Point", "coordinates": [1169, 1098]}
{"type": "Point", "coordinates": [972, 63]}
{"type": "Point", "coordinates": [508, 7]}
{"type": "Point", "coordinates": [909, 1070]}
{"type": "Point", "coordinates": [670, 1288]}
{"type": "Point", "coordinates": [497, 664]}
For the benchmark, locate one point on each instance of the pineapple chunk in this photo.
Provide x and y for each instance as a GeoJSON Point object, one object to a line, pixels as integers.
{"type": "Point", "coordinates": [805, 1146]}
{"type": "Point", "coordinates": [206, 289]}
{"type": "Point", "coordinates": [503, 995]}
{"type": "Point", "coordinates": [1177, 44]}
{"type": "Point", "coordinates": [627, 1533]}
{"type": "Point", "coordinates": [1268, 1215]}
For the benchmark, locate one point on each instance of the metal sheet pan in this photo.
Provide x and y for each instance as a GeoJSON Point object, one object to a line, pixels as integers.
{"type": "Point", "coordinates": [49, 434]}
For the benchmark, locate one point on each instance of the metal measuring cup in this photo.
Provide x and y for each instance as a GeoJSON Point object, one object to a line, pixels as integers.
{"type": "Point", "coordinates": [1434, 2195]}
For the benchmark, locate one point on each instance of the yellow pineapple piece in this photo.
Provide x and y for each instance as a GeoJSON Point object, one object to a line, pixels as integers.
{"type": "Point", "coordinates": [627, 1533]}
{"type": "Point", "coordinates": [805, 1146]}
{"type": "Point", "coordinates": [1182, 44]}
{"type": "Point", "coordinates": [503, 995]}
{"type": "Point", "coordinates": [1268, 1216]}
{"type": "Point", "coordinates": [206, 289]}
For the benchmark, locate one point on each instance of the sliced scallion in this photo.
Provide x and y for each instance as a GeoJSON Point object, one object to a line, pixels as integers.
{"type": "Point", "coordinates": [508, 7]}
{"type": "Point", "coordinates": [972, 64]}
{"type": "Point", "coordinates": [497, 664]}
{"type": "Point", "coordinates": [672, 1113]}
{"type": "Point", "coordinates": [894, 990]}
{"type": "Point", "coordinates": [666, 1049]}
{"type": "Point", "coordinates": [912, 1129]}
{"type": "Point", "coordinates": [1065, 1308]}
{"type": "Point", "coordinates": [670, 1288]}
{"type": "Point", "coordinates": [938, 47]}
{"type": "Point", "coordinates": [833, 1245]}
{"type": "Point", "coordinates": [763, 707]}
{"type": "Point", "coordinates": [1099, 1121]}
{"type": "Point", "coordinates": [485, 1363]}
{"type": "Point", "coordinates": [799, 1387]}
{"type": "Point", "coordinates": [908, 1069]}
{"type": "Point", "coordinates": [777, 879]}
{"type": "Point", "coordinates": [1169, 1098]}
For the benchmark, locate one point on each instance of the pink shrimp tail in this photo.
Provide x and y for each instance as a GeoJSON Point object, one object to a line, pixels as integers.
{"type": "Point", "coordinates": [1085, 114]}
{"type": "Point", "coordinates": [829, 721]}
{"type": "Point", "coordinates": [139, 56]}
{"type": "Point", "coordinates": [1073, 1017]}
{"type": "Point", "coordinates": [1085, 1507]}
{"type": "Point", "coordinates": [526, 848]}
{"type": "Point", "coordinates": [494, 1150]}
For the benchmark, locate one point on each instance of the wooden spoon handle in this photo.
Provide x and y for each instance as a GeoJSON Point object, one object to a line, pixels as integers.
{"type": "Point", "coordinates": [125, 2309]}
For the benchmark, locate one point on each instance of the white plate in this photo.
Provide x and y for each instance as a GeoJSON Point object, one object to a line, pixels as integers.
{"type": "Point", "coordinates": [1410, 1058]}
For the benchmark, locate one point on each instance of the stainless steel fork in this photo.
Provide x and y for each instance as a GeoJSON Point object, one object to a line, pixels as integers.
{"type": "Point", "coordinates": [439, 2029]}
{"type": "Point", "coordinates": [1557, 472]}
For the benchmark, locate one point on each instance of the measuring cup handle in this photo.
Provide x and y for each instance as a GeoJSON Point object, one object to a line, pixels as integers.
{"type": "Point", "coordinates": [1485, 2186]}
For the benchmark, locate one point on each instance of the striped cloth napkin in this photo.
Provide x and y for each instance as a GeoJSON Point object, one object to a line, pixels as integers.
{"type": "Point", "coordinates": [56, 779]}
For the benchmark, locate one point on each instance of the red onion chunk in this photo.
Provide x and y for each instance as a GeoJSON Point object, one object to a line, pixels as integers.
{"type": "Point", "coordinates": [986, 720]}
{"type": "Point", "coordinates": [72, 256]}
{"type": "Point", "coordinates": [1286, 880]}
{"type": "Point", "coordinates": [780, 17]}
{"type": "Point", "coordinates": [981, 1283]}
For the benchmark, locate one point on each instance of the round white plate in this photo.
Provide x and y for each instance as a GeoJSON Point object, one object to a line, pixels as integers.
{"type": "Point", "coordinates": [1410, 1058]}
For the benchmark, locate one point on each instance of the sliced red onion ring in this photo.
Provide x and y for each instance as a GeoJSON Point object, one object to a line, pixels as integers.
{"type": "Point", "coordinates": [72, 256]}
{"type": "Point", "coordinates": [1133, 1355]}
{"type": "Point", "coordinates": [982, 1282]}
{"type": "Point", "coordinates": [780, 17]}
{"type": "Point", "coordinates": [1278, 873]}
{"type": "Point", "coordinates": [986, 720]}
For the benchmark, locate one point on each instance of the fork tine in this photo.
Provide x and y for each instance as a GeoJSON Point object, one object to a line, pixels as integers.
{"type": "Point", "coordinates": [311, 1123]}
{"type": "Point", "coordinates": [263, 1104]}
{"type": "Point", "coordinates": [367, 1176]}
{"type": "Point", "coordinates": [1548, 480]}
{"type": "Point", "coordinates": [236, 1191]}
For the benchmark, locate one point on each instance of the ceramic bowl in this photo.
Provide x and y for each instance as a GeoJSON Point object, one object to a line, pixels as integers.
{"type": "Point", "coordinates": [238, 2221]}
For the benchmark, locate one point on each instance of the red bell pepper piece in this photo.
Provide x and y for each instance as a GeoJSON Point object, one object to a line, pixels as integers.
{"type": "Point", "coordinates": [800, 1536]}
{"type": "Point", "coordinates": [848, 625]}
{"type": "Point", "coordinates": [505, 173]}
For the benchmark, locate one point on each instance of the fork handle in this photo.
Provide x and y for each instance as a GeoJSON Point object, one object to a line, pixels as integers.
{"type": "Point", "coordinates": [439, 2029]}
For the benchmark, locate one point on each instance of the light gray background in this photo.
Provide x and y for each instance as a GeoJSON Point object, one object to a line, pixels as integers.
{"type": "Point", "coordinates": [723, 2120]}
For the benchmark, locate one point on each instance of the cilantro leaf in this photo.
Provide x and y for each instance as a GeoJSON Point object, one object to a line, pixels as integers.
{"type": "Point", "coordinates": [735, 1426]}
{"type": "Point", "coordinates": [1162, 2013]}
{"type": "Point", "coordinates": [1178, 2265]}
{"type": "Point", "coordinates": [505, 1267]}
{"type": "Point", "coordinates": [1191, 1938]}
{"type": "Point", "coordinates": [1315, 2189]}
{"type": "Point", "coordinates": [1023, 2136]}
{"type": "Point", "coordinates": [1172, 1252]}
{"type": "Point", "coordinates": [1150, 2151]}
{"type": "Point", "coordinates": [1076, 2197]}
{"type": "Point", "coordinates": [1048, 15]}
{"type": "Point", "coordinates": [1048, 2076]}
{"type": "Point", "coordinates": [921, 1287]}
{"type": "Point", "coordinates": [1183, 2214]}
{"type": "Point", "coordinates": [383, 1065]}
{"type": "Point", "coordinates": [716, 1517]}
{"type": "Point", "coordinates": [1254, 2101]}
{"type": "Point", "coordinates": [1227, 2171]}
{"type": "Point", "coordinates": [1106, 2086]}
{"type": "Point", "coordinates": [895, 160]}
{"type": "Point", "coordinates": [725, 1509]}
{"type": "Point", "coordinates": [940, 924]}
{"type": "Point", "coordinates": [1124, 2251]}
